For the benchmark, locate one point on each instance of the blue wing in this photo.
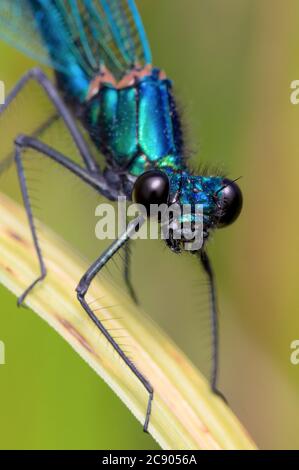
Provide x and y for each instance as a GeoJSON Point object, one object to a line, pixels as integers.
{"type": "Point", "coordinates": [77, 35]}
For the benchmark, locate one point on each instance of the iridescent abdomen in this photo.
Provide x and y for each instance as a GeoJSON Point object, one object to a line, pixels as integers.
{"type": "Point", "coordinates": [137, 126]}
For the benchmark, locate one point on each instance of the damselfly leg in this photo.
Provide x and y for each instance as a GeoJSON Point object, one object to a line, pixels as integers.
{"type": "Point", "coordinates": [206, 264]}
{"type": "Point", "coordinates": [25, 142]}
{"type": "Point", "coordinates": [82, 290]}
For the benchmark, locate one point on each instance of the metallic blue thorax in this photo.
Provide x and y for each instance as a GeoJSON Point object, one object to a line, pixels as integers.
{"type": "Point", "coordinates": [137, 126]}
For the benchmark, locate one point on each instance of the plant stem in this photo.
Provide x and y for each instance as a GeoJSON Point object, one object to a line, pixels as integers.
{"type": "Point", "coordinates": [185, 414]}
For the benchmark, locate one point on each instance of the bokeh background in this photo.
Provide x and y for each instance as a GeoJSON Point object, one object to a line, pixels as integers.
{"type": "Point", "coordinates": [232, 63]}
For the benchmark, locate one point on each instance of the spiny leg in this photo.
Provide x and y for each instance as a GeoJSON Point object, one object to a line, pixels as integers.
{"type": "Point", "coordinates": [127, 271]}
{"type": "Point", "coordinates": [25, 142]}
{"type": "Point", "coordinates": [28, 209]}
{"type": "Point", "coordinates": [53, 95]}
{"type": "Point", "coordinates": [82, 289]}
{"type": "Point", "coordinates": [206, 264]}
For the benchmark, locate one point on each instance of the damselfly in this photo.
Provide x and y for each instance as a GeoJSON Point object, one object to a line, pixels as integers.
{"type": "Point", "coordinates": [105, 78]}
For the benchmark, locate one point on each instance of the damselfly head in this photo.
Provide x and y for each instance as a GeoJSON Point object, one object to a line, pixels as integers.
{"type": "Point", "coordinates": [188, 207]}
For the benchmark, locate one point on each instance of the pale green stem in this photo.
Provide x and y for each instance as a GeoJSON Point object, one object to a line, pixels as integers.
{"type": "Point", "coordinates": [185, 414]}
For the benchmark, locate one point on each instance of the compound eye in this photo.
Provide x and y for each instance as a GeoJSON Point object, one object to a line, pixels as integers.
{"type": "Point", "coordinates": [231, 202]}
{"type": "Point", "coordinates": [152, 187]}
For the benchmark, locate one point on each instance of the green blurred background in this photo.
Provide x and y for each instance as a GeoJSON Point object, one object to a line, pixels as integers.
{"type": "Point", "coordinates": [232, 63]}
